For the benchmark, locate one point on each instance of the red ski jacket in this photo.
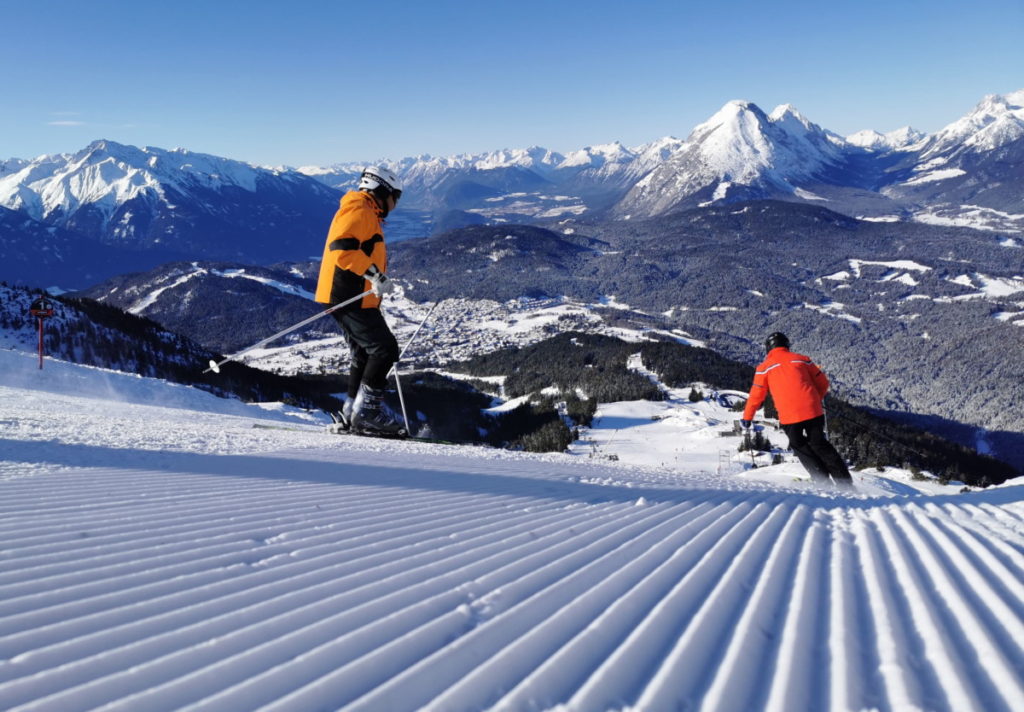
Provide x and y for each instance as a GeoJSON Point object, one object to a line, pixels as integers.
{"type": "Point", "coordinates": [796, 384]}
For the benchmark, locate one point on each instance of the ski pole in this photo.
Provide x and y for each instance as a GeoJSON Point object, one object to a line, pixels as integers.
{"type": "Point", "coordinates": [413, 337]}
{"type": "Point", "coordinates": [394, 367]}
{"type": "Point", "coordinates": [401, 399]}
{"type": "Point", "coordinates": [215, 365]}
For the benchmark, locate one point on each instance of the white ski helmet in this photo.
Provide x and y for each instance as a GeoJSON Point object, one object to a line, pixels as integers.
{"type": "Point", "coordinates": [375, 177]}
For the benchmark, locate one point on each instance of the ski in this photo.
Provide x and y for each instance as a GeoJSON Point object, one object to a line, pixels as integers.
{"type": "Point", "coordinates": [290, 428]}
{"type": "Point", "coordinates": [333, 430]}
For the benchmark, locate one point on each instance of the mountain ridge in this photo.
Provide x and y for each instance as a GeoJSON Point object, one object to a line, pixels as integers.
{"type": "Point", "coordinates": [866, 160]}
{"type": "Point", "coordinates": [208, 207]}
{"type": "Point", "coordinates": [148, 199]}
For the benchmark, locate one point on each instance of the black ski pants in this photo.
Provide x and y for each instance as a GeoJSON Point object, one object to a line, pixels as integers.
{"type": "Point", "coordinates": [815, 452]}
{"type": "Point", "coordinates": [374, 347]}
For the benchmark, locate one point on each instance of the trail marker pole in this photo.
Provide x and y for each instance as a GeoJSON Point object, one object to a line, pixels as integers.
{"type": "Point", "coordinates": [41, 309]}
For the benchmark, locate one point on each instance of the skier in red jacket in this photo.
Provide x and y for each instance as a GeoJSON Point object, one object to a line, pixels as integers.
{"type": "Point", "coordinates": [797, 386]}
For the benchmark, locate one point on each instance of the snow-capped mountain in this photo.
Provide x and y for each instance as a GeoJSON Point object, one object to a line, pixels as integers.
{"type": "Point", "coordinates": [172, 201]}
{"type": "Point", "coordinates": [739, 153]}
{"type": "Point", "coordinates": [424, 172]}
{"type": "Point", "coordinates": [194, 206]}
{"type": "Point", "coordinates": [603, 174]}
{"type": "Point", "coordinates": [968, 173]}
{"type": "Point", "coordinates": [996, 121]}
{"type": "Point", "coordinates": [977, 160]}
{"type": "Point", "coordinates": [892, 141]}
{"type": "Point", "coordinates": [427, 179]}
{"type": "Point", "coordinates": [11, 166]}
{"type": "Point", "coordinates": [513, 185]}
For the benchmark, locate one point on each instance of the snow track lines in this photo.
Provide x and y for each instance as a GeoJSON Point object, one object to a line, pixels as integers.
{"type": "Point", "coordinates": [425, 578]}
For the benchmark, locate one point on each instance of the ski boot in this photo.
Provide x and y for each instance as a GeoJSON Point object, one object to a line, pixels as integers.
{"type": "Point", "coordinates": [371, 416]}
{"type": "Point", "coordinates": [342, 418]}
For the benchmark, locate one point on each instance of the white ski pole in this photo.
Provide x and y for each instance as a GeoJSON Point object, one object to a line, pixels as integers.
{"type": "Point", "coordinates": [394, 367]}
{"type": "Point", "coordinates": [413, 337]}
{"type": "Point", "coordinates": [215, 365]}
{"type": "Point", "coordinates": [401, 399]}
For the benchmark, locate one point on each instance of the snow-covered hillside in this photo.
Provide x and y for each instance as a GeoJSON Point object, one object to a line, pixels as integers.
{"type": "Point", "coordinates": [160, 552]}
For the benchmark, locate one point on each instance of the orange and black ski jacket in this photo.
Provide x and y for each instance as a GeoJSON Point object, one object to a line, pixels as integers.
{"type": "Point", "coordinates": [354, 242]}
{"type": "Point", "coordinates": [796, 384]}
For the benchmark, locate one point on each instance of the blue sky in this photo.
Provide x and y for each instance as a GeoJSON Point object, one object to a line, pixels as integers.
{"type": "Point", "coordinates": [316, 82]}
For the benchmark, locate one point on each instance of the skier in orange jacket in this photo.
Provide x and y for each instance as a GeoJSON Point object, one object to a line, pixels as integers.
{"type": "Point", "coordinates": [797, 386]}
{"type": "Point", "coordinates": [354, 261]}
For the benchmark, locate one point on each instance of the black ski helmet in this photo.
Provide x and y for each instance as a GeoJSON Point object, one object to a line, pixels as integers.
{"type": "Point", "coordinates": [775, 341]}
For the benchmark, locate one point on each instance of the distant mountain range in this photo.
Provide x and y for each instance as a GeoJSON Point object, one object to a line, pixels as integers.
{"type": "Point", "coordinates": [148, 205]}
{"type": "Point", "coordinates": [73, 219]}
{"type": "Point", "coordinates": [970, 171]}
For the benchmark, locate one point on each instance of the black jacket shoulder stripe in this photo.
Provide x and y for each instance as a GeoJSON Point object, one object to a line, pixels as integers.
{"type": "Point", "coordinates": [344, 243]}
{"type": "Point", "coordinates": [352, 243]}
{"type": "Point", "coordinates": [368, 246]}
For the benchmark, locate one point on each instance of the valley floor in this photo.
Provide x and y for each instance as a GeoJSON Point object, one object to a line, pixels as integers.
{"type": "Point", "coordinates": [158, 552]}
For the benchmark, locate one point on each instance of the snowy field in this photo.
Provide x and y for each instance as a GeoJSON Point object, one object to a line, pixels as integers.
{"type": "Point", "coordinates": [159, 552]}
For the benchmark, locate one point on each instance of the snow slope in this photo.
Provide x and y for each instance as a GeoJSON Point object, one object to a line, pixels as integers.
{"type": "Point", "coordinates": [160, 552]}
